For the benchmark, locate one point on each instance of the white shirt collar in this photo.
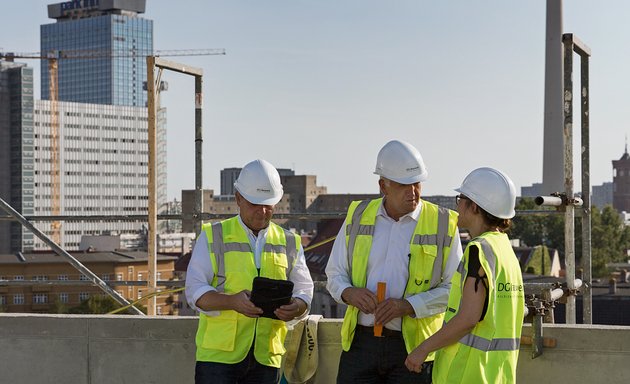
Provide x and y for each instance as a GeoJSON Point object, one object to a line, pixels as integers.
{"type": "Point", "coordinates": [413, 215]}
{"type": "Point", "coordinates": [262, 232]}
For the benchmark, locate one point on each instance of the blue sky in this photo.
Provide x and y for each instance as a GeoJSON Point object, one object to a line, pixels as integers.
{"type": "Point", "coordinates": [320, 86]}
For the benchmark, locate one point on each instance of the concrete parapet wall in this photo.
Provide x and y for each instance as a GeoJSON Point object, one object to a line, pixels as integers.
{"type": "Point", "coordinates": [99, 349]}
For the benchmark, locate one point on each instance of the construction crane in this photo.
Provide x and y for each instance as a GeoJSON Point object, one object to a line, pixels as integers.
{"type": "Point", "coordinates": [53, 91]}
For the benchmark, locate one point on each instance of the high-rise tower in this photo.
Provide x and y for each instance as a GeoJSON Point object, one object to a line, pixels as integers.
{"type": "Point", "coordinates": [115, 35]}
{"type": "Point", "coordinates": [16, 151]}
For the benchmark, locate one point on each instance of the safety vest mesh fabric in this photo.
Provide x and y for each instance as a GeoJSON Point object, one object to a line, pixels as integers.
{"type": "Point", "coordinates": [429, 249]}
{"type": "Point", "coordinates": [489, 353]}
{"type": "Point", "coordinates": [228, 337]}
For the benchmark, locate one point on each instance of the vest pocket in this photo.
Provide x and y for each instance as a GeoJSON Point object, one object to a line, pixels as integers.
{"type": "Point", "coordinates": [277, 336]}
{"type": "Point", "coordinates": [221, 332]}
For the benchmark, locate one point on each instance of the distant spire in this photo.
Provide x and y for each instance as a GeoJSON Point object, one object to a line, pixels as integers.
{"type": "Point", "coordinates": [625, 155]}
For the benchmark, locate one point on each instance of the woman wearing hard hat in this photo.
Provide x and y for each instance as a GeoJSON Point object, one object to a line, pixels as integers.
{"type": "Point", "coordinates": [480, 338]}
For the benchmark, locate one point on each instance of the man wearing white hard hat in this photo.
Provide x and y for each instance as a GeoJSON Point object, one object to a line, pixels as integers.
{"type": "Point", "coordinates": [481, 335]}
{"type": "Point", "coordinates": [235, 343]}
{"type": "Point", "coordinates": [411, 245]}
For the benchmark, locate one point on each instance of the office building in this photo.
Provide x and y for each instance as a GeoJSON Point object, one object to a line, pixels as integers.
{"type": "Point", "coordinates": [103, 153]}
{"type": "Point", "coordinates": [111, 43]}
{"type": "Point", "coordinates": [532, 191]}
{"type": "Point", "coordinates": [17, 157]}
{"type": "Point", "coordinates": [602, 195]}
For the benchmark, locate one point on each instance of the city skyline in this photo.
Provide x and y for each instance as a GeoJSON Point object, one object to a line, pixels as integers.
{"type": "Point", "coordinates": [320, 87]}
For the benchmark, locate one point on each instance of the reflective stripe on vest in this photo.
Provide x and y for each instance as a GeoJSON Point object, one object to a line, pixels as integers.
{"type": "Point", "coordinates": [441, 239]}
{"type": "Point", "coordinates": [356, 228]}
{"type": "Point", "coordinates": [482, 344]}
{"type": "Point", "coordinates": [219, 248]}
{"type": "Point", "coordinates": [478, 342]}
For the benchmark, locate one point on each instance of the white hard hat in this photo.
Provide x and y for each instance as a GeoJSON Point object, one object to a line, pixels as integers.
{"type": "Point", "coordinates": [400, 162]}
{"type": "Point", "coordinates": [492, 190]}
{"type": "Point", "coordinates": [259, 183]}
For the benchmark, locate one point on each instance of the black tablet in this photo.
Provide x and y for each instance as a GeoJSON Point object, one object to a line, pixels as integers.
{"type": "Point", "coordinates": [269, 294]}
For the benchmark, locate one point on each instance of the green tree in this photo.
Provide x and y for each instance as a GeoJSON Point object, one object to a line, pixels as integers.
{"type": "Point", "coordinates": [538, 229]}
{"type": "Point", "coordinates": [610, 238]}
{"type": "Point", "coordinates": [58, 307]}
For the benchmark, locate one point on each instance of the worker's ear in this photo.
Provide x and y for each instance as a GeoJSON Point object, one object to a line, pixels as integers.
{"type": "Point", "coordinates": [382, 184]}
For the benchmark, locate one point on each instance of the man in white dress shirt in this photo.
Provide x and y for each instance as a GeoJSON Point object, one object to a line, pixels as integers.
{"type": "Point", "coordinates": [411, 245]}
{"type": "Point", "coordinates": [234, 343]}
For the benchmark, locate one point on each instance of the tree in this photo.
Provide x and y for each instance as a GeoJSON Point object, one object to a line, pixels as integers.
{"type": "Point", "coordinates": [610, 238]}
{"type": "Point", "coordinates": [58, 307]}
{"type": "Point", "coordinates": [540, 229]}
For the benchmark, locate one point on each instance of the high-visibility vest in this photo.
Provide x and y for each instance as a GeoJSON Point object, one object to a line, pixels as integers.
{"type": "Point", "coordinates": [228, 337]}
{"type": "Point", "coordinates": [489, 353]}
{"type": "Point", "coordinates": [430, 246]}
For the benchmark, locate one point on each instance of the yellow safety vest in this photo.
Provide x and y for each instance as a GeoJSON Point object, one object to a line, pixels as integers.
{"type": "Point", "coordinates": [228, 337]}
{"type": "Point", "coordinates": [429, 249]}
{"type": "Point", "coordinates": [489, 353]}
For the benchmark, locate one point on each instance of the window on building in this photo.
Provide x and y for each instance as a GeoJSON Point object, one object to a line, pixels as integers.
{"type": "Point", "coordinates": [63, 298]}
{"type": "Point", "coordinates": [159, 276]}
{"type": "Point", "coordinates": [84, 296]}
{"type": "Point", "coordinates": [139, 293]}
{"type": "Point", "coordinates": [18, 298]}
{"type": "Point", "coordinates": [140, 276]}
{"type": "Point", "coordinates": [3, 300]}
{"type": "Point", "coordinates": [62, 277]}
{"type": "Point", "coordinates": [158, 310]}
{"type": "Point", "coordinates": [18, 277]}
{"type": "Point", "coordinates": [83, 278]}
{"type": "Point", "coordinates": [105, 277]}
{"type": "Point", "coordinates": [40, 298]}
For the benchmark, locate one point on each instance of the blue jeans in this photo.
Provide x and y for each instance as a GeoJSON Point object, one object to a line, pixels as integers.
{"type": "Point", "coordinates": [248, 371]}
{"type": "Point", "coordinates": [379, 360]}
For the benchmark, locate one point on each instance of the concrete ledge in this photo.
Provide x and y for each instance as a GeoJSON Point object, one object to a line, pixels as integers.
{"type": "Point", "coordinates": [99, 349]}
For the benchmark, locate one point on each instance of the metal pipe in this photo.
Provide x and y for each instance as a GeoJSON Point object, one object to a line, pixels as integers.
{"type": "Point", "coordinates": [569, 225]}
{"type": "Point", "coordinates": [587, 295]}
{"type": "Point", "coordinates": [557, 201]}
{"type": "Point", "coordinates": [74, 262]}
{"type": "Point", "coordinates": [553, 201]}
{"type": "Point", "coordinates": [198, 154]}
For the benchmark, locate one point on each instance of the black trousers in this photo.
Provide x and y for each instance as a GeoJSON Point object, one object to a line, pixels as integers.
{"type": "Point", "coordinates": [379, 360]}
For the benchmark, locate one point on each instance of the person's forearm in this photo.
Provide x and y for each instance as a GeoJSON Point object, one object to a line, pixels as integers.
{"type": "Point", "coordinates": [449, 334]}
{"type": "Point", "coordinates": [214, 301]}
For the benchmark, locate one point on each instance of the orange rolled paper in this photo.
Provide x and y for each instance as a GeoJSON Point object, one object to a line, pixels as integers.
{"type": "Point", "coordinates": [380, 296]}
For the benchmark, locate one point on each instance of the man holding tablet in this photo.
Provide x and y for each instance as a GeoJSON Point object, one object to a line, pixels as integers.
{"type": "Point", "coordinates": [236, 341]}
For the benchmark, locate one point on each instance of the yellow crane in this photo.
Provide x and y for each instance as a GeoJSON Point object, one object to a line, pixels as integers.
{"type": "Point", "coordinates": [53, 91]}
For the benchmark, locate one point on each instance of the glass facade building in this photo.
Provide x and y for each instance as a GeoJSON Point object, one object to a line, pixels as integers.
{"type": "Point", "coordinates": [102, 48]}
{"type": "Point", "coordinates": [16, 152]}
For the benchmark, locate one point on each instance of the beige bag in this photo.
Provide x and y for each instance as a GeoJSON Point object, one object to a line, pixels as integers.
{"type": "Point", "coordinates": [302, 356]}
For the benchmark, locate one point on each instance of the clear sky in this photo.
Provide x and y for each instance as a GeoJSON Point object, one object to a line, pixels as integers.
{"type": "Point", "coordinates": [321, 85]}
